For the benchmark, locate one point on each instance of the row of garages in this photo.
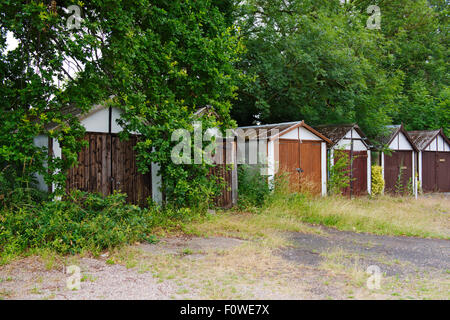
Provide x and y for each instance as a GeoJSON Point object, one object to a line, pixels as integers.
{"type": "Point", "coordinates": [108, 164]}
{"type": "Point", "coordinates": [407, 159]}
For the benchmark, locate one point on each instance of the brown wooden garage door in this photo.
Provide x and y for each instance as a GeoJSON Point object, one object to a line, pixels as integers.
{"type": "Point", "coordinates": [429, 171]}
{"type": "Point", "coordinates": [359, 165]}
{"type": "Point", "coordinates": [109, 164]}
{"type": "Point", "coordinates": [436, 171]}
{"type": "Point", "coordinates": [399, 160]}
{"type": "Point", "coordinates": [302, 161]}
{"type": "Point", "coordinates": [224, 172]}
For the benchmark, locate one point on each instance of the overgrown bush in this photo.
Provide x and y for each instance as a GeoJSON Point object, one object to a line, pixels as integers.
{"type": "Point", "coordinates": [253, 187]}
{"type": "Point", "coordinates": [377, 180]}
{"type": "Point", "coordinates": [81, 222]}
{"type": "Point", "coordinates": [339, 178]}
{"type": "Point", "coordinates": [16, 190]}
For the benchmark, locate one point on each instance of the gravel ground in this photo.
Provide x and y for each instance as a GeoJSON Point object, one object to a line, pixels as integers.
{"type": "Point", "coordinates": [196, 246]}
{"type": "Point", "coordinates": [397, 256]}
{"type": "Point", "coordinates": [29, 278]}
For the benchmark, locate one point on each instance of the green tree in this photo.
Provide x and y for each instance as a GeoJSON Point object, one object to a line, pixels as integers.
{"type": "Point", "coordinates": [315, 61]}
{"type": "Point", "coordinates": [158, 61]}
{"type": "Point", "coordinates": [416, 38]}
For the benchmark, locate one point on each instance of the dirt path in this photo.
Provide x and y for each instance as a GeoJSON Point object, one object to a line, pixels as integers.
{"type": "Point", "coordinates": [31, 279]}
{"type": "Point", "coordinates": [397, 256]}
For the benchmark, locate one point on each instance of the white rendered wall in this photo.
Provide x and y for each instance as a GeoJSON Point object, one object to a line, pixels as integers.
{"type": "Point", "coordinates": [400, 143]}
{"type": "Point", "coordinates": [293, 134]}
{"type": "Point", "coordinates": [97, 122]}
{"type": "Point", "coordinates": [57, 153]}
{"type": "Point", "coordinates": [345, 144]}
{"type": "Point", "coordinates": [115, 115]}
{"type": "Point", "coordinates": [156, 184]}
{"type": "Point", "coordinates": [369, 172]}
{"type": "Point", "coordinates": [305, 134]}
{"type": "Point", "coordinates": [413, 176]}
{"type": "Point", "coordinates": [41, 141]}
{"type": "Point", "coordinates": [324, 167]}
{"type": "Point", "coordinates": [272, 163]}
{"type": "Point", "coordinates": [438, 144]}
{"type": "Point", "coordinates": [420, 167]}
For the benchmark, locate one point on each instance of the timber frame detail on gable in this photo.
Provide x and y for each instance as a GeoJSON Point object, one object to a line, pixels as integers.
{"type": "Point", "coordinates": [392, 132]}
{"type": "Point", "coordinates": [423, 138]}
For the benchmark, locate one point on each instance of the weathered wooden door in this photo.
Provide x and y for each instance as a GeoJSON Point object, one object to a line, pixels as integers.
{"type": "Point", "coordinates": [108, 164]}
{"type": "Point", "coordinates": [436, 171]}
{"type": "Point", "coordinates": [94, 170]}
{"type": "Point", "coordinates": [224, 173]}
{"type": "Point", "coordinates": [359, 176]}
{"type": "Point", "coordinates": [125, 176]}
{"type": "Point", "coordinates": [429, 171]}
{"type": "Point", "coordinates": [302, 161]}
{"type": "Point", "coordinates": [443, 171]}
{"type": "Point", "coordinates": [398, 171]}
{"type": "Point", "coordinates": [311, 166]}
{"type": "Point", "coordinates": [289, 162]}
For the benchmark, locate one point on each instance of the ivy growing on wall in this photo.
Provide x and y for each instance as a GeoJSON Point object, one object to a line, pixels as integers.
{"type": "Point", "coordinates": [158, 61]}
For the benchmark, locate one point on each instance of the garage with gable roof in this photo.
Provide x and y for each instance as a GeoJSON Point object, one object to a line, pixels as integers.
{"type": "Point", "coordinates": [399, 163]}
{"type": "Point", "coordinates": [294, 148]}
{"type": "Point", "coordinates": [353, 142]}
{"type": "Point", "coordinates": [433, 159]}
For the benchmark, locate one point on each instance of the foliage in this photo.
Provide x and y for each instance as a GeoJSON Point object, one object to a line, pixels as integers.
{"type": "Point", "coordinates": [81, 222]}
{"type": "Point", "coordinates": [410, 187]}
{"type": "Point", "coordinates": [377, 180]}
{"type": "Point", "coordinates": [14, 192]}
{"type": "Point", "coordinates": [317, 61]}
{"type": "Point", "coordinates": [339, 172]}
{"type": "Point", "coordinates": [158, 61]}
{"type": "Point", "coordinates": [33, 98]}
{"type": "Point", "coordinates": [313, 61]}
{"type": "Point", "coordinates": [399, 188]}
{"type": "Point", "coordinates": [253, 188]}
{"type": "Point", "coordinates": [416, 39]}
{"type": "Point", "coordinates": [182, 60]}
{"type": "Point", "coordinates": [419, 184]}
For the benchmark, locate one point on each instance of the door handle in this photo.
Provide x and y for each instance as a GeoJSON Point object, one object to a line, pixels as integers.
{"type": "Point", "coordinates": [299, 170]}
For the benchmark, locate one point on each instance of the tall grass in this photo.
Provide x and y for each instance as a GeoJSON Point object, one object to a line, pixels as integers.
{"type": "Point", "coordinates": [284, 211]}
{"type": "Point", "coordinates": [404, 216]}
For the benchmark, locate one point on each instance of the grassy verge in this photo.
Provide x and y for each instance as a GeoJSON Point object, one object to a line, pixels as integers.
{"type": "Point", "coordinates": [424, 217]}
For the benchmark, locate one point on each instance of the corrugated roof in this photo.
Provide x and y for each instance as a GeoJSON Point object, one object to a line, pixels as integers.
{"type": "Point", "coordinates": [390, 132]}
{"type": "Point", "coordinates": [273, 131]}
{"type": "Point", "coordinates": [422, 138]}
{"type": "Point", "coordinates": [336, 132]}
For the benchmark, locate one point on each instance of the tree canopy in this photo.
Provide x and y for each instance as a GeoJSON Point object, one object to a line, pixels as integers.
{"type": "Point", "coordinates": [158, 61]}
{"type": "Point", "coordinates": [317, 61]}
